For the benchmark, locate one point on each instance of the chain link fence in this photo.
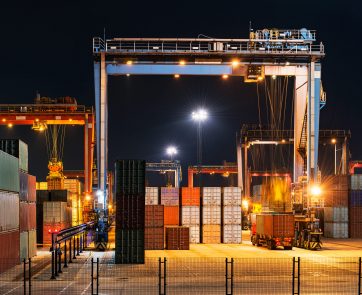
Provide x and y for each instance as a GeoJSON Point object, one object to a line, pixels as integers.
{"type": "Point", "coordinates": [96, 273]}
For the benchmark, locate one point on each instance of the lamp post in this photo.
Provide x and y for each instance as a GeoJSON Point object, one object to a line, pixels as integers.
{"type": "Point", "coordinates": [334, 141]}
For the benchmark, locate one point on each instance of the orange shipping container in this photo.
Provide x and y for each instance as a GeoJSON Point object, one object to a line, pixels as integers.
{"type": "Point", "coordinates": [32, 216]}
{"type": "Point", "coordinates": [190, 196]}
{"type": "Point", "coordinates": [171, 215]}
{"type": "Point", "coordinates": [211, 234]}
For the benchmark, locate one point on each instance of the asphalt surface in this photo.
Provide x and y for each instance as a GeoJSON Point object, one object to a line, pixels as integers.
{"type": "Point", "coordinates": [201, 270]}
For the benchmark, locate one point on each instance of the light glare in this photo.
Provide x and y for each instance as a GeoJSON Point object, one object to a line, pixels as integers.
{"type": "Point", "coordinates": [171, 150]}
{"type": "Point", "coordinates": [200, 115]}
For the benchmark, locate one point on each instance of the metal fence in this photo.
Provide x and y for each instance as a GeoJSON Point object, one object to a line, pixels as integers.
{"type": "Point", "coordinates": [96, 273]}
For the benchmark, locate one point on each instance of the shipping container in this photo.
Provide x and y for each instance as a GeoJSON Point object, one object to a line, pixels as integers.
{"type": "Point", "coordinates": [211, 196]}
{"type": "Point", "coordinates": [23, 186]}
{"type": "Point", "coordinates": [32, 243]}
{"type": "Point", "coordinates": [356, 182]}
{"type": "Point", "coordinates": [42, 185]}
{"type": "Point", "coordinates": [334, 198]}
{"type": "Point", "coordinates": [130, 211]}
{"type": "Point", "coordinates": [9, 172]}
{"type": "Point", "coordinates": [52, 196]}
{"type": "Point", "coordinates": [75, 186]}
{"type": "Point", "coordinates": [130, 176]}
{"type": "Point", "coordinates": [55, 183]}
{"type": "Point", "coordinates": [211, 234]}
{"type": "Point", "coordinates": [336, 182]}
{"type": "Point", "coordinates": [171, 215]}
{"type": "Point", "coordinates": [211, 214]}
{"type": "Point", "coordinates": [355, 198]}
{"type": "Point", "coordinates": [232, 196]}
{"type": "Point", "coordinates": [18, 149]}
{"type": "Point", "coordinates": [337, 230]}
{"type": "Point", "coordinates": [24, 217]}
{"type": "Point", "coordinates": [9, 211]}
{"type": "Point", "coordinates": [152, 196]}
{"type": "Point", "coordinates": [177, 238]}
{"type": "Point", "coordinates": [154, 238]}
{"type": "Point", "coordinates": [130, 246]}
{"type": "Point", "coordinates": [31, 188]}
{"type": "Point", "coordinates": [24, 245]}
{"type": "Point", "coordinates": [355, 214]}
{"type": "Point", "coordinates": [257, 189]}
{"type": "Point", "coordinates": [170, 196]}
{"type": "Point", "coordinates": [32, 216]}
{"type": "Point", "coordinates": [232, 234]}
{"type": "Point", "coordinates": [336, 214]}
{"type": "Point", "coordinates": [49, 228]}
{"type": "Point", "coordinates": [275, 225]}
{"type": "Point", "coordinates": [194, 233]}
{"type": "Point", "coordinates": [356, 230]}
{"type": "Point", "coordinates": [55, 212]}
{"type": "Point", "coordinates": [9, 249]}
{"type": "Point", "coordinates": [190, 196]}
{"type": "Point", "coordinates": [154, 216]}
{"type": "Point", "coordinates": [190, 215]}
{"type": "Point", "coordinates": [232, 214]}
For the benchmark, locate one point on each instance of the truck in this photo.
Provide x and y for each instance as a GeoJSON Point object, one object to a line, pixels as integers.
{"type": "Point", "coordinates": [273, 230]}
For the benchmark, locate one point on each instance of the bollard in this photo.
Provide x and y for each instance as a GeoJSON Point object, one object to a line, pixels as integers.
{"type": "Point", "coordinates": [29, 276]}
{"type": "Point", "coordinates": [55, 261]}
{"type": "Point", "coordinates": [24, 276]}
{"type": "Point", "coordinates": [81, 244]}
{"type": "Point", "coordinates": [70, 250]}
{"type": "Point", "coordinates": [65, 254]}
{"type": "Point", "coordinates": [74, 249]}
{"type": "Point", "coordinates": [53, 272]}
{"type": "Point", "coordinates": [60, 260]}
{"type": "Point", "coordinates": [92, 277]}
{"type": "Point", "coordinates": [78, 246]}
{"type": "Point", "coordinates": [97, 275]}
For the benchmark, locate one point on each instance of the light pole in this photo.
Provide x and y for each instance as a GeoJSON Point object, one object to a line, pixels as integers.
{"type": "Point", "coordinates": [171, 151]}
{"type": "Point", "coordinates": [199, 116]}
{"type": "Point", "coordinates": [334, 141]}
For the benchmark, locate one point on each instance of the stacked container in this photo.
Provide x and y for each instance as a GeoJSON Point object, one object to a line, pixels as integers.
{"type": "Point", "coordinates": [55, 218]}
{"type": "Point", "coordinates": [232, 215]}
{"type": "Point", "coordinates": [190, 212]}
{"type": "Point", "coordinates": [211, 215]}
{"type": "Point", "coordinates": [154, 227]}
{"type": "Point", "coordinates": [355, 206]}
{"type": "Point", "coordinates": [170, 200]}
{"type": "Point", "coordinates": [130, 211]}
{"type": "Point", "coordinates": [9, 211]}
{"type": "Point", "coordinates": [75, 188]}
{"type": "Point", "coordinates": [177, 238]}
{"type": "Point", "coordinates": [336, 207]}
{"type": "Point", "coordinates": [152, 195]}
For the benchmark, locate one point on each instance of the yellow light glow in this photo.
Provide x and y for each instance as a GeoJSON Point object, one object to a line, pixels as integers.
{"type": "Point", "coordinates": [10, 125]}
{"type": "Point", "coordinates": [334, 141]}
{"type": "Point", "coordinates": [129, 62]}
{"type": "Point", "coordinates": [128, 75]}
{"type": "Point", "coordinates": [87, 197]}
{"type": "Point", "coordinates": [287, 63]}
{"type": "Point", "coordinates": [4, 120]}
{"type": "Point", "coordinates": [245, 204]}
{"type": "Point", "coordinates": [177, 76]}
{"type": "Point", "coordinates": [182, 63]}
{"type": "Point", "coordinates": [225, 76]}
{"type": "Point", "coordinates": [260, 78]}
{"type": "Point", "coordinates": [283, 140]}
{"type": "Point", "coordinates": [109, 206]}
{"type": "Point", "coordinates": [235, 63]}
{"type": "Point", "coordinates": [36, 120]}
{"type": "Point", "coordinates": [315, 190]}
{"type": "Point", "coordinates": [274, 77]}
{"type": "Point", "coordinates": [70, 120]}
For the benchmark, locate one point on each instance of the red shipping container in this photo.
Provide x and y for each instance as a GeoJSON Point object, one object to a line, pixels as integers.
{"type": "Point", "coordinates": [9, 249]}
{"type": "Point", "coordinates": [154, 215]}
{"type": "Point", "coordinates": [31, 188]}
{"type": "Point", "coordinates": [355, 214]}
{"type": "Point", "coordinates": [336, 198]}
{"type": "Point", "coordinates": [336, 182]}
{"type": "Point", "coordinates": [32, 216]}
{"type": "Point", "coordinates": [177, 238]}
{"type": "Point", "coordinates": [190, 196]}
{"type": "Point", "coordinates": [24, 216]}
{"type": "Point", "coordinates": [154, 238]}
{"type": "Point", "coordinates": [356, 230]}
{"type": "Point", "coordinates": [171, 215]}
{"type": "Point", "coordinates": [49, 228]}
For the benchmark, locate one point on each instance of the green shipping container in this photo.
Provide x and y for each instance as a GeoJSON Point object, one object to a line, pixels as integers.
{"type": "Point", "coordinates": [9, 172]}
{"type": "Point", "coordinates": [18, 149]}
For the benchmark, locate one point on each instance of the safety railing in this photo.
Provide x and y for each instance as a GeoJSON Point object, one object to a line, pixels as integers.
{"type": "Point", "coordinates": [202, 46]}
{"type": "Point", "coordinates": [44, 108]}
{"type": "Point", "coordinates": [91, 273]}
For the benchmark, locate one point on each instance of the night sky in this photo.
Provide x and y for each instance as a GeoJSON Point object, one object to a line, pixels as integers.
{"type": "Point", "coordinates": [47, 47]}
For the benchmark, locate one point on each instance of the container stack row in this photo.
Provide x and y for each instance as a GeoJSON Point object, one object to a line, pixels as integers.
{"type": "Point", "coordinates": [154, 227]}
{"type": "Point", "coordinates": [130, 211]}
{"type": "Point", "coordinates": [190, 212]}
{"type": "Point", "coordinates": [336, 207]}
{"type": "Point", "coordinates": [232, 217]}
{"type": "Point", "coordinates": [355, 206]}
{"type": "Point", "coordinates": [211, 215]}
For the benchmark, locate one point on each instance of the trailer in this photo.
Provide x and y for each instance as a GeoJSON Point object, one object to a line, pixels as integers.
{"type": "Point", "coordinates": [273, 230]}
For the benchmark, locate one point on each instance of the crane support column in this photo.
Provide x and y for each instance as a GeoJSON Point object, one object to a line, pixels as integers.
{"type": "Point", "coordinates": [313, 120]}
{"type": "Point", "coordinates": [100, 82]}
{"type": "Point", "coordinates": [239, 158]}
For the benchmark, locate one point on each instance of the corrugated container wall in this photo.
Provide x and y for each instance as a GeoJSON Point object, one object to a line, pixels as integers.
{"type": "Point", "coordinates": [232, 215]}
{"type": "Point", "coordinates": [9, 172]}
{"type": "Point", "coordinates": [211, 214]}
{"type": "Point", "coordinates": [336, 214]}
{"type": "Point", "coordinates": [55, 212]}
{"type": "Point", "coordinates": [232, 196]}
{"type": "Point", "coordinates": [336, 198]}
{"type": "Point", "coordinates": [170, 196]}
{"type": "Point", "coordinates": [24, 245]}
{"type": "Point", "coordinates": [356, 182]}
{"type": "Point", "coordinates": [171, 215]}
{"type": "Point", "coordinates": [18, 149]}
{"type": "Point", "coordinates": [130, 246]}
{"type": "Point", "coordinates": [31, 188]}
{"type": "Point", "coordinates": [211, 234]}
{"type": "Point", "coordinates": [232, 233]}
{"type": "Point", "coordinates": [154, 216]}
{"type": "Point", "coordinates": [190, 215]}
{"type": "Point", "coordinates": [151, 196]}
{"type": "Point", "coordinates": [190, 196]}
{"type": "Point", "coordinates": [9, 249]}
{"type": "Point", "coordinates": [211, 196]}
{"type": "Point", "coordinates": [32, 243]}
{"type": "Point", "coordinates": [130, 176]}
{"type": "Point", "coordinates": [75, 186]}
{"type": "Point", "coordinates": [154, 238]}
{"type": "Point", "coordinates": [336, 230]}
{"type": "Point", "coordinates": [177, 238]}
{"type": "Point", "coordinates": [9, 211]}
{"type": "Point", "coordinates": [23, 186]}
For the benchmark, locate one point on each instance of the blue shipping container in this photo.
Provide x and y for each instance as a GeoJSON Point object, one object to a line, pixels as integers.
{"type": "Point", "coordinates": [355, 198]}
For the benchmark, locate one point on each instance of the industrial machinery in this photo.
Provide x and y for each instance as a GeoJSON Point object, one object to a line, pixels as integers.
{"type": "Point", "coordinates": [167, 166]}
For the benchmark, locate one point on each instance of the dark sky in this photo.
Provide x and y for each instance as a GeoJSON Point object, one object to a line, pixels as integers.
{"type": "Point", "coordinates": [47, 47]}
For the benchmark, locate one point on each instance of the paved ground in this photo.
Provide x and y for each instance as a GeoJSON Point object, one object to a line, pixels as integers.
{"type": "Point", "coordinates": [201, 270]}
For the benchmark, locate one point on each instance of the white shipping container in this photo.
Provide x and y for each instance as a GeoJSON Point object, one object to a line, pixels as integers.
{"type": "Point", "coordinates": [211, 196]}
{"type": "Point", "coordinates": [9, 211]}
{"type": "Point", "coordinates": [336, 214]}
{"type": "Point", "coordinates": [356, 182]}
{"type": "Point", "coordinates": [190, 215]}
{"type": "Point", "coordinates": [194, 234]}
{"type": "Point", "coordinates": [232, 234]}
{"type": "Point", "coordinates": [232, 214]}
{"type": "Point", "coordinates": [232, 196]}
{"type": "Point", "coordinates": [151, 196]}
{"type": "Point", "coordinates": [211, 215]}
{"type": "Point", "coordinates": [337, 230]}
{"type": "Point", "coordinates": [24, 245]}
{"type": "Point", "coordinates": [55, 212]}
